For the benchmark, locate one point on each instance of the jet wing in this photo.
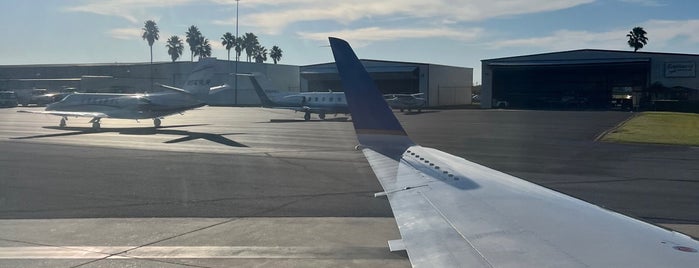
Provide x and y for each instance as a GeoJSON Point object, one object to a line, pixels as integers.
{"type": "Point", "coordinates": [454, 213]}
{"type": "Point", "coordinates": [175, 89]}
{"type": "Point", "coordinates": [71, 114]}
{"type": "Point", "coordinates": [306, 109]}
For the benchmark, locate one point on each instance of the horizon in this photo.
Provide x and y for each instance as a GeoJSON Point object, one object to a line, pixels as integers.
{"type": "Point", "coordinates": [458, 33]}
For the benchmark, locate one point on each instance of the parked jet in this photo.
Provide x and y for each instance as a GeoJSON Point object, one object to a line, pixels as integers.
{"type": "Point", "coordinates": [320, 103]}
{"type": "Point", "coordinates": [137, 106]}
{"type": "Point", "coordinates": [406, 101]}
{"type": "Point", "coordinates": [455, 213]}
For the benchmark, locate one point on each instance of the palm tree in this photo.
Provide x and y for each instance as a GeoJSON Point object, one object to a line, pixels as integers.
{"type": "Point", "coordinates": [637, 38]}
{"type": "Point", "coordinates": [174, 47]}
{"type": "Point", "coordinates": [193, 39]}
{"type": "Point", "coordinates": [275, 54]}
{"type": "Point", "coordinates": [204, 48]}
{"type": "Point", "coordinates": [228, 41]}
{"type": "Point", "coordinates": [260, 54]}
{"type": "Point", "coordinates": [150, 33]}
{"type": "Point", "coordinates": [250, 42]}
{"type": "Point", "coordinates": [238, 47]}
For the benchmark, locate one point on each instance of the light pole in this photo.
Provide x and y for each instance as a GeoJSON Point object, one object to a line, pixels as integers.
{"type": "Point", "coordinates": [237, 58]}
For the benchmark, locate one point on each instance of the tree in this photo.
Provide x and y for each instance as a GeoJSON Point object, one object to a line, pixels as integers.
{"type": "Point", "coordinates": [228, 41]}
{"type": "Point", "coordinates": [174, 47]}
{"type": "Point", "coordinates": [193, 39]}
{"type": "Point", "coordinates": [204, 48]}
{"type": "Point", "coordinates": [250, 42]}
{"type": "Point", "coordinates": [275, 54]}
{"type": "Point", "coordinates": [238, 47]}
{"type": "Point", "coordinates": [260, 54]}
{"type": "Point", "coordinates": [637, 38]}
{"type": "Point", "coordinates": [150, 33]}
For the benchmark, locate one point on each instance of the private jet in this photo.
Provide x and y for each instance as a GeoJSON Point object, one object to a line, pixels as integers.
{"type": "Point", "coordinates": [320, 103]}
{"type": "Point", "coordinates": [137, 106]}
{"type": "Point", "coordinates": [455, 213]}
{"type": "Point", "coordinates": [406, 101]}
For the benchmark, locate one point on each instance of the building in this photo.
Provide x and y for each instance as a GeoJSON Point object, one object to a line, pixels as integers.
{"type": "Point", "coordinates": [137, 78]}
{"type": "Point", "coordinates": [441, 85]}
{"type": "Point", "coordinates": [588, 78]}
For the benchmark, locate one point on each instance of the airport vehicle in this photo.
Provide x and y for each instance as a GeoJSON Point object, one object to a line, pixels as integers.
{"type": "Point", "coordinates": [137, 106]}
{"type": "Point", "coordinates": [28, 96]}
{"type": "Point", "coordinates": [406, 101]}
{"type": "Point", "coordinates": [320, 103]}
{"type": "Point", "coordinates": [455, 213]}
{"type": "Point", "coordinates": [8, 99]}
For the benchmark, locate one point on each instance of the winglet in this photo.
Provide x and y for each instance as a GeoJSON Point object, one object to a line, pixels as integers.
{"type": "Point", "coordinates": [376, 126]}
{"type": "Point", "coordinates": [370, 113]}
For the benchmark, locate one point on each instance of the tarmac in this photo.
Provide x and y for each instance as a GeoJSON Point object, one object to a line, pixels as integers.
{"type": "Point", "coordinates": [223, 187]}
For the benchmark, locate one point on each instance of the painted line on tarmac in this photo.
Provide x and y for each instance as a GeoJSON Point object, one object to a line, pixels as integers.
{"type": "Point", "coordinates": [195, 252]}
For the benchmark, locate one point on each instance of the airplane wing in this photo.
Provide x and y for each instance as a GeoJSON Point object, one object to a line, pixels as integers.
{"type": "Point", "coordinates": [455, 213]}
{"type": "Point", "coordinates": [175, 89]}
{"type": "Point", "coordinates": [69, 114]}
{"type": "Point", "coordinates": [308, 109]}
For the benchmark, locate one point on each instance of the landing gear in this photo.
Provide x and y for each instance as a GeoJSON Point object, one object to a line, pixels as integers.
{"type": "Point", "coordinates": [63, 122]}
{"type": "Point", "coordinates": [321, 116]}
{"type": "Point", "coordinates": [156, 122]}
{"type": "Point", "coordinates": [307, 116]}
{"type": "Point", "coordinates": [95, 123]}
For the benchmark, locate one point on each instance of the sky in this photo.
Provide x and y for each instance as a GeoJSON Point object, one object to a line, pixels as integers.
{"type": "Point", "coordinates": [448, 32]}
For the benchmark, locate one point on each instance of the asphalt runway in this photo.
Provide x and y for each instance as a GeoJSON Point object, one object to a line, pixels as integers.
{"type": "Point", "coordinates": [222, 187]}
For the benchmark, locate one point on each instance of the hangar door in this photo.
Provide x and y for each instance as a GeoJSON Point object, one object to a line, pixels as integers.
{"type": "Point", "coordinates": [390, 80]}
{"type": "Point", "coordinates": [565, 85]}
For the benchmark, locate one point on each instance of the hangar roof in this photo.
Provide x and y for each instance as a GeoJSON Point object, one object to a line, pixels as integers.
{"type": "Point", "coordinates": [566, 62]}
{"type": "Point", "coordinates": [581, 55]}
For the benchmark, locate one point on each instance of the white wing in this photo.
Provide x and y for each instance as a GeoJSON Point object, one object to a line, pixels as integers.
{"type": "Point", "coordinates": [455, 213]}
{"type": "Point", "coordinates": [72, 114]}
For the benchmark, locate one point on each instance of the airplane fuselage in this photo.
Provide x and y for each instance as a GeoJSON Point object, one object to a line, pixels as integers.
{"type": "Point", "coordinates": [127, 106]}
{"type": "Point", "coordinates": [331, 102]}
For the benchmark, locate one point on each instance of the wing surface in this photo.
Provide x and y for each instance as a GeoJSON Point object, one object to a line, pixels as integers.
{"type": "Point", "coordinates": [454, 213]}
{"type": "Point", "coordinates": [75, 114]}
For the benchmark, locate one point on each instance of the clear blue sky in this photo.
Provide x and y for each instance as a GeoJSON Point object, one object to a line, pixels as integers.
{"type": "Point", "coordinates": [449, 32]}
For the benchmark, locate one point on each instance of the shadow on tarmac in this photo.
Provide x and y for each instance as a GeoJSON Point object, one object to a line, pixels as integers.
{"type": "Point", "coordinates": [416, 112]}
{"type": "Point", "coordinates": [335, 119]}
{"type": "Point", "coordinates": [188, 135]}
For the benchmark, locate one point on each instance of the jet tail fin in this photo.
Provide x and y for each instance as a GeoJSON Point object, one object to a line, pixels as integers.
{"type": "Point", "coordinates": [374, 122]}
{"type": "Point", "coordinates": [199, 80]}
{"type": "Point", "coordinates": [266, 101]}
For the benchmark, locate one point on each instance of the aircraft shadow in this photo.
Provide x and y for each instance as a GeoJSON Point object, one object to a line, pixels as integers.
{"type": "Point", "coordinates": [423, 112]}
{"type": "Point", "coordinates": [334, 119]}
{"type": "Point", "coordinates": [187, 135]}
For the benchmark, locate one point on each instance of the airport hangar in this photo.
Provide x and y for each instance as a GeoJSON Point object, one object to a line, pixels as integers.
{"type": "Point", "coordinates": [441, 85]}
{"type": "Point", "coordinates": [588, 78]}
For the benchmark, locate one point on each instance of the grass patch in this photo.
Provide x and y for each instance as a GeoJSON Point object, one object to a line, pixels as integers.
{"type": "Point", "coordinates": [658, 127]}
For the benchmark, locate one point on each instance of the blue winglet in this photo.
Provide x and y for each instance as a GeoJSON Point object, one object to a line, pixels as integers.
{"type": "Point", "coordinates": [370, 112]}
{"type": "Point", "coordinates": [376, 126]}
